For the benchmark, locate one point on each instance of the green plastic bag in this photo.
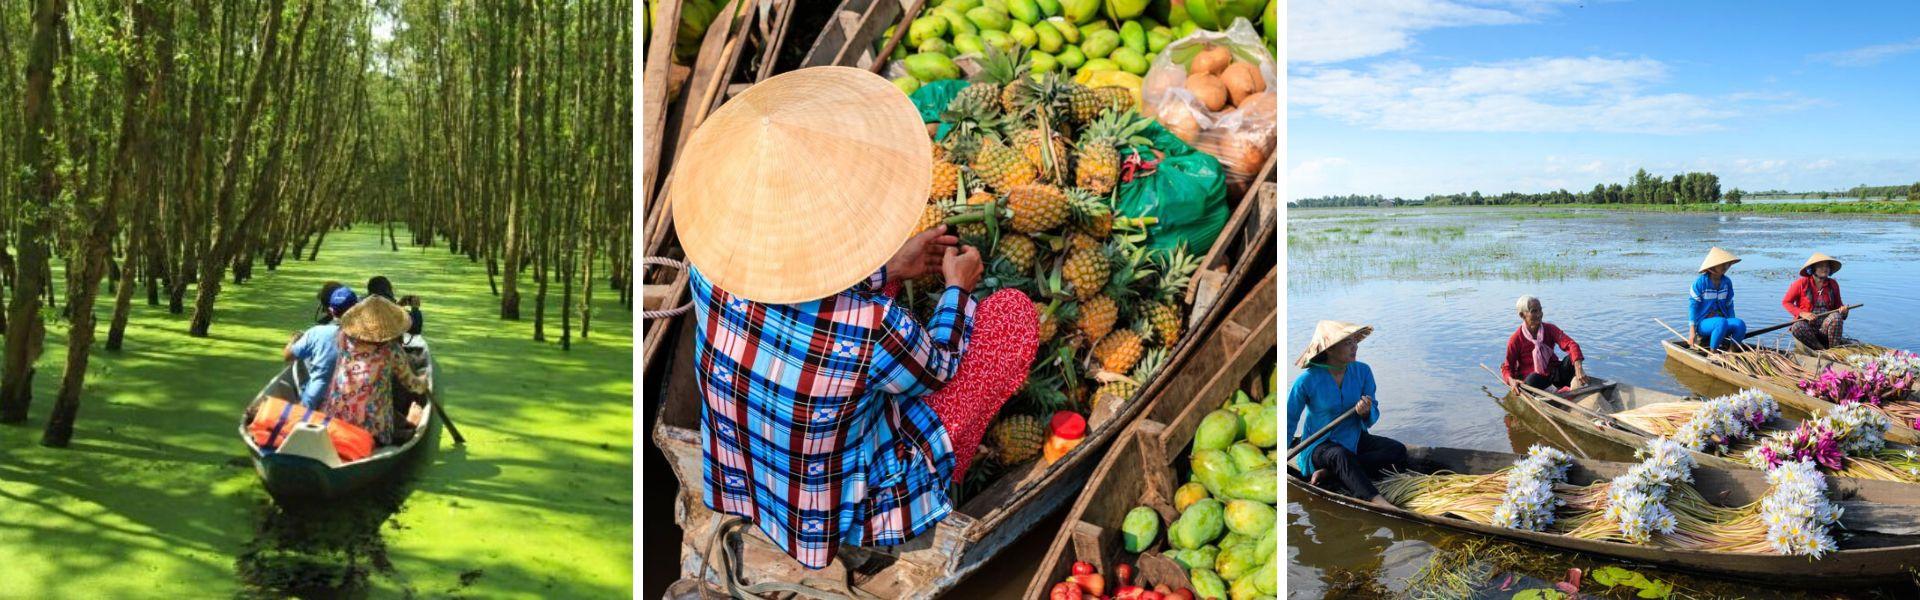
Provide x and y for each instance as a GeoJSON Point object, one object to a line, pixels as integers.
{"type": "Point", "coordinates": [932, 99]}
{"type": "Point", "coordinates": [1187, 192]}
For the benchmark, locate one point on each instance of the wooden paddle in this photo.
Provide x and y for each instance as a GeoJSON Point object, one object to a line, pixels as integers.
{"type": "Point", "coordinates": [1571, 445]}
{"type": "Point", "coordinates": [442, 413]}
{"type": "Point", "coordinates": [1322, 432]}
{"type": "Point", "coordinates": [1567, 403]}
{"type": "Point", "coordinates": [1815, 315]}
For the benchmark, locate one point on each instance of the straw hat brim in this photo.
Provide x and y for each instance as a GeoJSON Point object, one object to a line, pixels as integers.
{"type": "Point", "coordinates": [375, 319]}
{"type": "Point", "coordinates": [802, 185]}
{"type": "Point", "coordinates": [1329, 334]}
{"type": "Point", "coordinates": [1717, 257]}
{"type": "Point", "coordinates": [1817, 258]}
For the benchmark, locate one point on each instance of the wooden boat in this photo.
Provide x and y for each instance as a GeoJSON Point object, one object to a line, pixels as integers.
{"type": "Point", "coordinates": [1787, 396]}
{"type": "Point", "coordinates": [305, 467]}
{"type": "Point", "coordinates": [1865, 556]}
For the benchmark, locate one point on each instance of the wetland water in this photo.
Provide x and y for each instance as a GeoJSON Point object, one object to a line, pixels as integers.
{"type": "Point", "coordinates": [1439, 284]}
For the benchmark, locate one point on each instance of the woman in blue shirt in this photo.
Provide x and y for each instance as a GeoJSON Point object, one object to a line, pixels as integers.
{"type": "Point", "coordinates": [1332, 383]}
{"type": "Point", "coordinates": [1710, 302]}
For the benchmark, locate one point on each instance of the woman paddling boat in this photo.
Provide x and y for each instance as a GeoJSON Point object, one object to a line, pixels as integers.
{"type": "Point", "coordinates": [1333, 383]}
{"type": "Point", "coordinates": [1815, 293]}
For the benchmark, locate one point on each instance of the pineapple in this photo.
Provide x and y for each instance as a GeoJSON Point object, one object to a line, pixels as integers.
{"type": "Point", "coordinates": [1118, 387]}
{"type": "Point", "coordinates": [1048, 323]}
{"type": "Point", "coordinates": [1176, 270]}
{"type": "Point", "coordinates": [946, 179]}
{"type": "Point", "coordinates": [1084, 103]}
{"type": "Point", "coordinates": [1097, 316]}
{"type": "Point", "coordinates": [1019, 250]}
{"type": "Point", "coordinates": [1017, 439]}
{"type": "Point", "coordinates": [997, 69]}
{"type": "Point", "coordinates": [1051, 157]}
{"type": "Point", "coordinates": [1114, 98]}
{"type": "Point", "coordinates": [1098, 158]}
{"type": "Point", "coordinates": [1003, 168]}
{"type": "Point", "coordinates": [1037, 207]}
{"type": "Point", "coordinates": [1087, 270]}
{"type": "Point", "coordinates": [1120, 350]}
{"type": "Point", "coordinates": [1092, 212]}
{"type": "Point", "coordinates": [1164, 317]}
{"type": "Point", "coordinates": [930, 218]}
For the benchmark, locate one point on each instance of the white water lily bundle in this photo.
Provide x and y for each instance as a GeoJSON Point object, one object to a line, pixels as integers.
{"type": "Point", "coordinates": [1529, 501]}
{"type": "Point", "coordinates": [1797, 512]}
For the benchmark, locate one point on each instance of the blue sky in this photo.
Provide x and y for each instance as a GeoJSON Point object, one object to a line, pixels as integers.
{"type": "Point", "coordinates": [1411, 97]}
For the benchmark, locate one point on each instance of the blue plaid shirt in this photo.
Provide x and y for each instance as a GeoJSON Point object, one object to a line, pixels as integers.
{"type": "Point", "coordinates": [813, 424]}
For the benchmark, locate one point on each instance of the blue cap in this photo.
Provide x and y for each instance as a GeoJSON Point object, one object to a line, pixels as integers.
{"type": "Point", "coordinates": [341, 300]}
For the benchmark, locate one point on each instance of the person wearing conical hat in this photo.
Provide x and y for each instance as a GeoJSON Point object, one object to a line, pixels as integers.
{"type": "Point", "coordinates": [371, 363]}
{"type": "Point", "coordinates": [1332, 384]}
{"type": "Point", "coordinates": [1813, 293]}
{"type": "Point", "coordinates": [1710, 303]}
{"type": "Point", "coordinates": [826, 417]}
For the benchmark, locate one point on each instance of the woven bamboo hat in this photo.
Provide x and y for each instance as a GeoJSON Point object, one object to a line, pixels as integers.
{"type": "Point", "coordinates": [375, 319]}
{"type": "Point", "coordinates": [1717, 257]}
{"type": "Point", "coordinates": [1330, 333]}
{"type": "Point", "coordinates": [1817, 258]}
{"type": "Point", "coordinates": [802, 185]}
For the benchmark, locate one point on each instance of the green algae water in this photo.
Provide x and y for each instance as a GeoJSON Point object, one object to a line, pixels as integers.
{"type": "Point", "coordinates": [157, 498]}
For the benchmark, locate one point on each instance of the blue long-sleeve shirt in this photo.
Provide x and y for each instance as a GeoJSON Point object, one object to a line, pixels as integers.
{"type": "Point", "coordinates": [1315, 396]}
{"type": "Point", "coordinates": [1707, 300]}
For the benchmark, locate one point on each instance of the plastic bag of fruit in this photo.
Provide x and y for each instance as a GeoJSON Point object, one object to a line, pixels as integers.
{"type": "Point", "coordinates": [1214, 90]}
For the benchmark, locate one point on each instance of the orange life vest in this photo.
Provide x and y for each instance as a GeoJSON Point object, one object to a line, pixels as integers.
{"type": "Point", "coordinates": [276, 418]}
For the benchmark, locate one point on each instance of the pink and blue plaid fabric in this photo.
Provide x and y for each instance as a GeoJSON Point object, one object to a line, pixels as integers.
{"type": "Point", "coordinates": [813, 422]}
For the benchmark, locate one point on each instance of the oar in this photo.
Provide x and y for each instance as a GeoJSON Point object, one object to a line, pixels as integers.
{"type": "Point", "coordinates": [442, 413]}
{"type": "Point", "coordinates": [1322, 432]}
{"type": "Point", "coordinates": [1571, 445]}
{"type": "Point", "coordinates": [1815, 315]}
{"type": "Point", "coordinates": [1556, 400]}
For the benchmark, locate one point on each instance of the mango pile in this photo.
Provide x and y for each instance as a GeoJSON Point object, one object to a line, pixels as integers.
{"type": "Point", "coordinates": [1225, 534]}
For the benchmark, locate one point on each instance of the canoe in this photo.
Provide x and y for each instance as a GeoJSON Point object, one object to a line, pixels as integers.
{"type": "Point", "coordinates": [1863, 559]}
{"type": "Point", "coordinates": [1788, 397]}
{"type": "Point", "coordinates": [303, 470]}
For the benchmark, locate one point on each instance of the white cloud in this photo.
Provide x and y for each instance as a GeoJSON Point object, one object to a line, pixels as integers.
{"type": "Point", "coordinates": [1824, 163]}
{"type": "Point", "coordinates": [1314, 174]}
{"type": "Point", "coordinates": [1542, 94]}
{"type": "Point", "coordinates": [1860, 57]}
{"type": "Point", "coordinates": [1326, 31]}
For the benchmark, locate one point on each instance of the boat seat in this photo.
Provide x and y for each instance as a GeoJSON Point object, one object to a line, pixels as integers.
{"type": "Point", "coordinates": [310, 440]}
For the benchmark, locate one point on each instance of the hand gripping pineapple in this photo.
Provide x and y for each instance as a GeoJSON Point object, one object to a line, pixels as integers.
{"type": "Point", "coordinates": [792, 205]}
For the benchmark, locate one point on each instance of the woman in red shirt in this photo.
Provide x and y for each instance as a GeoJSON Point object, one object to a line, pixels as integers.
{"type": "Point", "coordinates": [1530, 356]}
{"type": "Point", "coordinates": [1815, 292]}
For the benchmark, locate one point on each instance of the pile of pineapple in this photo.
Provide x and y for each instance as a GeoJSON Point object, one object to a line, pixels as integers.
{"type": "Point", "coordinates": [1027, 174]}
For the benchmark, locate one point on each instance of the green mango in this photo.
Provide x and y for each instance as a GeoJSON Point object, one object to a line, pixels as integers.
{"type": "Point", "coordinates": [1158, 38]}
{"type": "Point", "coordinates": [1178, 556]}
{"type": "Point", "coordinates": [957, 23]}
{"type": "Point", "coordinates": [1140, 529]}
{"type": "Point", "coordinates": [1247, 457]}
{"type": "Point", "coordinates": [1188, 494]}
{"type": "Point", "coordinates": [1260, 485]}
{"type": "Point", "coordinates": [1080, 11]}
{"type": "Point", "coordinates": [1089, 28]}
{"type": "Point", "coordinates": [967, 43]}
{"type": "Point", "coordinates": [1217, 430]}
{"type": "Point", "coordinates": [1236, 562]}
{"type": "Point", "coordinates": [1023, 34]}
{"type": "Point", "coordinates": [1177, 14]}
{"type": "Point", "coordinates": [923, 29]}
{"type": "Point", "coordinates": [1263, 428]}
{"type": "Point", "coordinates": [1041, 62]}
{"type": "Point", "coordinates": [1071, 57]}
{"type": "Point", "coordinates": [1243, 588]}
{"type": "Point", "coordinates": [999, 39]}
{"type": "Point", "coordinates": [1024, 11]}
{"type": "Point", "coordinates": [907, 85]}
{"type": "Point", "coordinates": [1207, 584]}
{"type": "Point", "coordinates": [1050, 38]}
{"type": "Point", "coordinates": [1132, 35]}
{"type": "Point", "coordinates": [931, 66]}
{"type": "Point", "coordinates": [1201, 523]}
{"type": "Point", "coordinates": [1269, 23]}
{"type": "Point", "coordinates": [1152, 56]}
{"type": "Point", "coordinates": [1099, 64]}
{"type": "Point", "coordinates": [1129, 61]}
{"type": "Point", "coordinates": [1267, 579]}
{"type": "Point", "coordinates": [1231, 539]}
{"type": "Point", "coordinates": [988, 18]}
{"type": "Point", "coordinates": [1249, 518]}
{"type": "Point", "coordinates": [999, 5]}
{"type": "Point", "coordinates": [1267, 546]}
{"type": "Point", "coordinates": [1186, 29]}
{"type": "Point", "coordinates": [1240, 9]}
{"type": "Point", "coordinates": [1101, 43]}
{"type": "Point", "coordinates": [960, 6]}
{"type": "Point", "coordinates": [1067, 30]}
{"type": "Point", "coordinates": [1212, 468]}
{"type": "Point", "coordinates": [1205, 13]}
{"type": "Point", "coordinates": [900, 52]}
{"type": "Point", "coordinates": [1125, 9]}
{"type": "Point", "coordinates": [936, 45]}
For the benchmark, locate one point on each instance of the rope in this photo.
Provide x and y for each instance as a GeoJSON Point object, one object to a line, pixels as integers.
{"type": "Point", "coordinates": [726, 537]}
{"type": "Point", "coordinates": [675, 311]}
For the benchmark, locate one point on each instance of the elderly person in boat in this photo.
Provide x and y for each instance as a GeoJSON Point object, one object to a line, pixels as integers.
{"type": "Point", "coordinates": [1813, 293]}
{"type": "Point", "coordinates": [371, 363]}
{"type": "Point", "coordinates": [830, 415]}
{"type": "Point", "coordinates": [1333, 383]}
{"type": "Point", "coordinates": [1530, 352]}
{"type": "Point", "coordinates": [318, 347]}
{"type": "Point", "coordinates": [1710, 303]}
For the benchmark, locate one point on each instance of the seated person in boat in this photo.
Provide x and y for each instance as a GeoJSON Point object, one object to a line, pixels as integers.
{"type": "Point", "coordinates": [371, 362]}
{"type": "Point", "coordinates": [1813, 293]}
{"type": "Point", "coordinates": [1333, 383]}
{"type": "Point", "coordinates": [1530, 352]}
{"type": "Point", "coordinates": [318, 347]}
{"type": "Point", "coordinates": [323, 314]}
{"type": "Point", "coordinates": [1710, 303]}
{"type": "Point", "coordinates": [830, 415]}
{"type": "Point", "coordinates": [380, 286]}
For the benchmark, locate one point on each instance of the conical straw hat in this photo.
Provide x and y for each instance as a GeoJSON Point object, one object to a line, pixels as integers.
{"type": "Point", "coordinates": [375, 319]}
{"type": "Point", "coordinates": [1817, 258]}
{"type": "Point", "coordinates": [802, 185]}
{"type": "Point", "coordinates": [1329, 333]}
{"type": "Point", "coordinates": [1717, 257]}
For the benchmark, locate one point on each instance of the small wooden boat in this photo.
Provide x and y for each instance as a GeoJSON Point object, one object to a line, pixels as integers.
{"type": "Point", "coordinates": [1865, 557]}
{"type": "Point", "coordinates": [1787, 396]}
{"type": "Point", "coordinates": [305, 467]}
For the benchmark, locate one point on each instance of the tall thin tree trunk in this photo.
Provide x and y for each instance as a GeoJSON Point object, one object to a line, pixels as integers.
{"type": "Point", "coordinates": [39, 189]}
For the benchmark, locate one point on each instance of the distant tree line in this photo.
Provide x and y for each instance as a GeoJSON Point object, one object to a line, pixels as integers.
{"type": "Point", "coordinates": [1642, 188]}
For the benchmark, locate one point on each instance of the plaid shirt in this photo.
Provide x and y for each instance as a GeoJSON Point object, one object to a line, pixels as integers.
{"type": "Point", "coordinates": [813, 425]}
